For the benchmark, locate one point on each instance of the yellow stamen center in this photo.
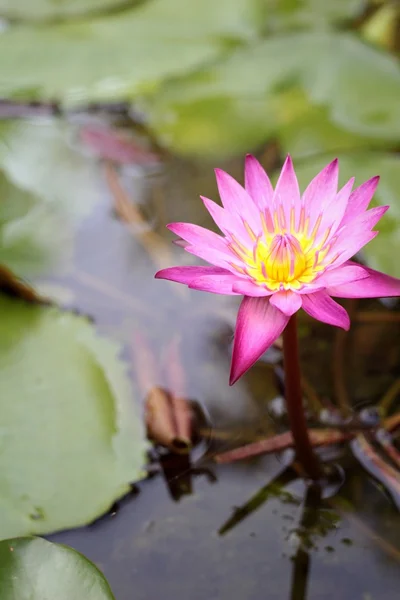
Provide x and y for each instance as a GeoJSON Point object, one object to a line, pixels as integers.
{"type": "Point", "coordinates": [283, 257]}
{"type": "Point", "coordinates": [283, 260]}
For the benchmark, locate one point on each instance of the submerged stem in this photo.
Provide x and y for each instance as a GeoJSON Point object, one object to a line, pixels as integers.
{"type": "Point", "coordinates": [294, 402]}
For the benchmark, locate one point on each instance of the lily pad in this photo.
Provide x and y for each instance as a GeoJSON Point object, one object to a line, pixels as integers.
{"type": "Point", "coordinates": [308, 130]}
{"type": "Point", "coordinates": [43, 157]}
{"type": "Point", "coordinates": [212, 126]}
{"type": "Point", "coordinates": [48, 9]}
{"type": "Point", "coordinates": [34, 569]}
{"type": "Point", "coordinates": [285, 14]}
{"type": "Point", "coordinates": [46, 185]}
{"type": "Point", "coordinates": [70, 439]}
{"type": "Point", "coordinates": [34, 236]}
{"type": "Point", "coordinates": [119, 56]}
{"type": "Point", "coordinates": [383, 252]}
{"type": "Point", "coordinates": [332, 69]}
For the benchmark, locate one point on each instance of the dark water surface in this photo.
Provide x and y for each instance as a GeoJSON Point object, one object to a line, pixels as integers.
{"type": "Point", "coordinates": [154, 546]}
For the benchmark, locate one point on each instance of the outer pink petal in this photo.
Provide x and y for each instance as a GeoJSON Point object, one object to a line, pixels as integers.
{"type": "Point", "coordinates": [287, 193]}
{"type": "Point", "coordinates": [227, 222]}
{"type": "Point", "coordinates": [321, 306]}
{"type": "Point", "coordinates": [376, 285]}
{"type": "Point", "coordinates": [214, 257]}
{"type": "Point", "coordinates": [257, 183]}
{"type": "Point", "coordinates": [216, 284]}
{"type": "Point", "coordinates": [310, 288]}
{"type": "Point", "coordinates": [205, 244]}
{"type": "Point", "coordinates": [248, 288]}
{"type": "Point", "coordinates": [286, 301]}
{"type": "Point", "coordinates": [207, 279]}
{"type": "Point", "coordinates": [237, 201]}
{"type": "Point", "coordinates": [356, 234]}
{"type": "Point", "coordinates": [360, 199]}
{"type": "Point", "coordinates": [258, 325]}
{"type": "Point", "coordinates": [342, 274]}
{"type": "Point", "coordinates": [189, 273]}
{"type": "Point", "coordinates": [320, 191]}
{"type": "Point", "coordinates": [356, 241]}
{"type": "Point", "coordinates": [198, 236]}
{"type": "Point", "coordinates": [370, 218]}
{"type": "Point", "coordinates": [332, 215]}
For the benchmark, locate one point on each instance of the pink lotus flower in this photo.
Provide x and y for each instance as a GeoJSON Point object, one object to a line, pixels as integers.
{"type": "Point", "coordinates": [283, 251]}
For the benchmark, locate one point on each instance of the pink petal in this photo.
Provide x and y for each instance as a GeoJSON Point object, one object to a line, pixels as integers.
{"type": "Point", "coordinates": [321, 306]}
{"type": "Point", "coordinates": [237, 201]}
{"type": "Point", "coordinates": [205, 244]}
{"type": "Point", "coordinates": [333, 213]}
{"type": "Point", "coordinates": [360, 199]}
{"type": "Point", "coordinates": [227, 222]}
{"type": "Point", "coordinates": [248, 288]}
{"type": "Point", "coordinates": [343, 274]}
{"type": "Point", "coordinates": [356, 234]}
{"type": "Point", "coordinates": [287, 192]}
{"type": "Point", "coordinates": [188, 274]}
{"type": "Point", "coordinates": [257, 183]}
{"type": "Point", "coordinates": [320, 191]}
{"type": "Point", "coordinates": [207, 279]}
{"type": "Point", "coordinates": [225, 260]}
{"type": "Point", "coordinates": [258, 325]}
{"type": "Point", "coordinates": [216, 284]}
{"type": "Point", "coordinates": [199, 236]}
{"type": "Point", "coordinates": [376, 285]}
{"type": "Point", "coordinates": [286, 301]}
{"type": "Point", "coordinates": [346, 250]}
{"type": "Point", "coordinates": [369, 219]}
{"type": "Point", "coordinates": [310, 288]}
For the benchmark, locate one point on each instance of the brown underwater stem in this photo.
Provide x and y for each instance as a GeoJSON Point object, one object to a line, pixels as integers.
{"type": "Point", "coordinates": [294, 403]}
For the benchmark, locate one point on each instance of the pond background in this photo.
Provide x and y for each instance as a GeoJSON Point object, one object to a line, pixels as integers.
{"type": "Point", "coordinates": [148, 98]}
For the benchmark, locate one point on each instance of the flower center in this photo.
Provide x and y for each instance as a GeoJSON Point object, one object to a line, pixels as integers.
{"type": "Point", "coordinates": [282, 261]}
{"type": "Point", "coordinates": [282, 257]}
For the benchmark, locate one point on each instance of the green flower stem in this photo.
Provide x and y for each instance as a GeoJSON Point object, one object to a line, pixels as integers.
{"type": "Point", "coordinates": [294, 403]}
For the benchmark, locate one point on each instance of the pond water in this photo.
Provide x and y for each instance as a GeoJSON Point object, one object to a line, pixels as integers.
{"type": "Point", "coordinates": [165, 539]}
{"type": "Point", "coordinates": [128, 133]}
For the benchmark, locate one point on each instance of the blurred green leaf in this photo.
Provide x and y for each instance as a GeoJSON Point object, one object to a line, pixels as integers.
{"type": "Point", "coordinates": [47, 9]}
{"type": "Point", "coordinates": [212, 126]}
{"type": "Point", "coordinates": [70, 441]}
{"type": "Point", "coordinates": [383, 252]}
{"type": "Point", "coordinates": [333, 70]}
{"type": "Point", "coordinates": [34, 236]}
{"type": "Point", "coordinates": [307, 130]}
{"type": "Point", "coordinates": [285, 14]}
{"type": "Point", "coordinates": [34, 569]}
{"type": "Point", "coordinates": [47, 184]}
{"type": "Point", "coordinates": [20, 204]}
{"type": "Point", "coordinates": [119, 56]}
{"type": "Point", "coordinates": [44, 157]}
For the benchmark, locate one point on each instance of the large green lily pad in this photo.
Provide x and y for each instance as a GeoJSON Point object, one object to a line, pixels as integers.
{"type": "Point", "coordinates": [334, 70]}
{"type": "Point", "coordinates": [383, 252]}
{"type": "Point", "coordinates": [70, 438]}
{"type": "Point", "coordinates": [34, 569]}
{"type": "Point", "coordinates": [113, 57]}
